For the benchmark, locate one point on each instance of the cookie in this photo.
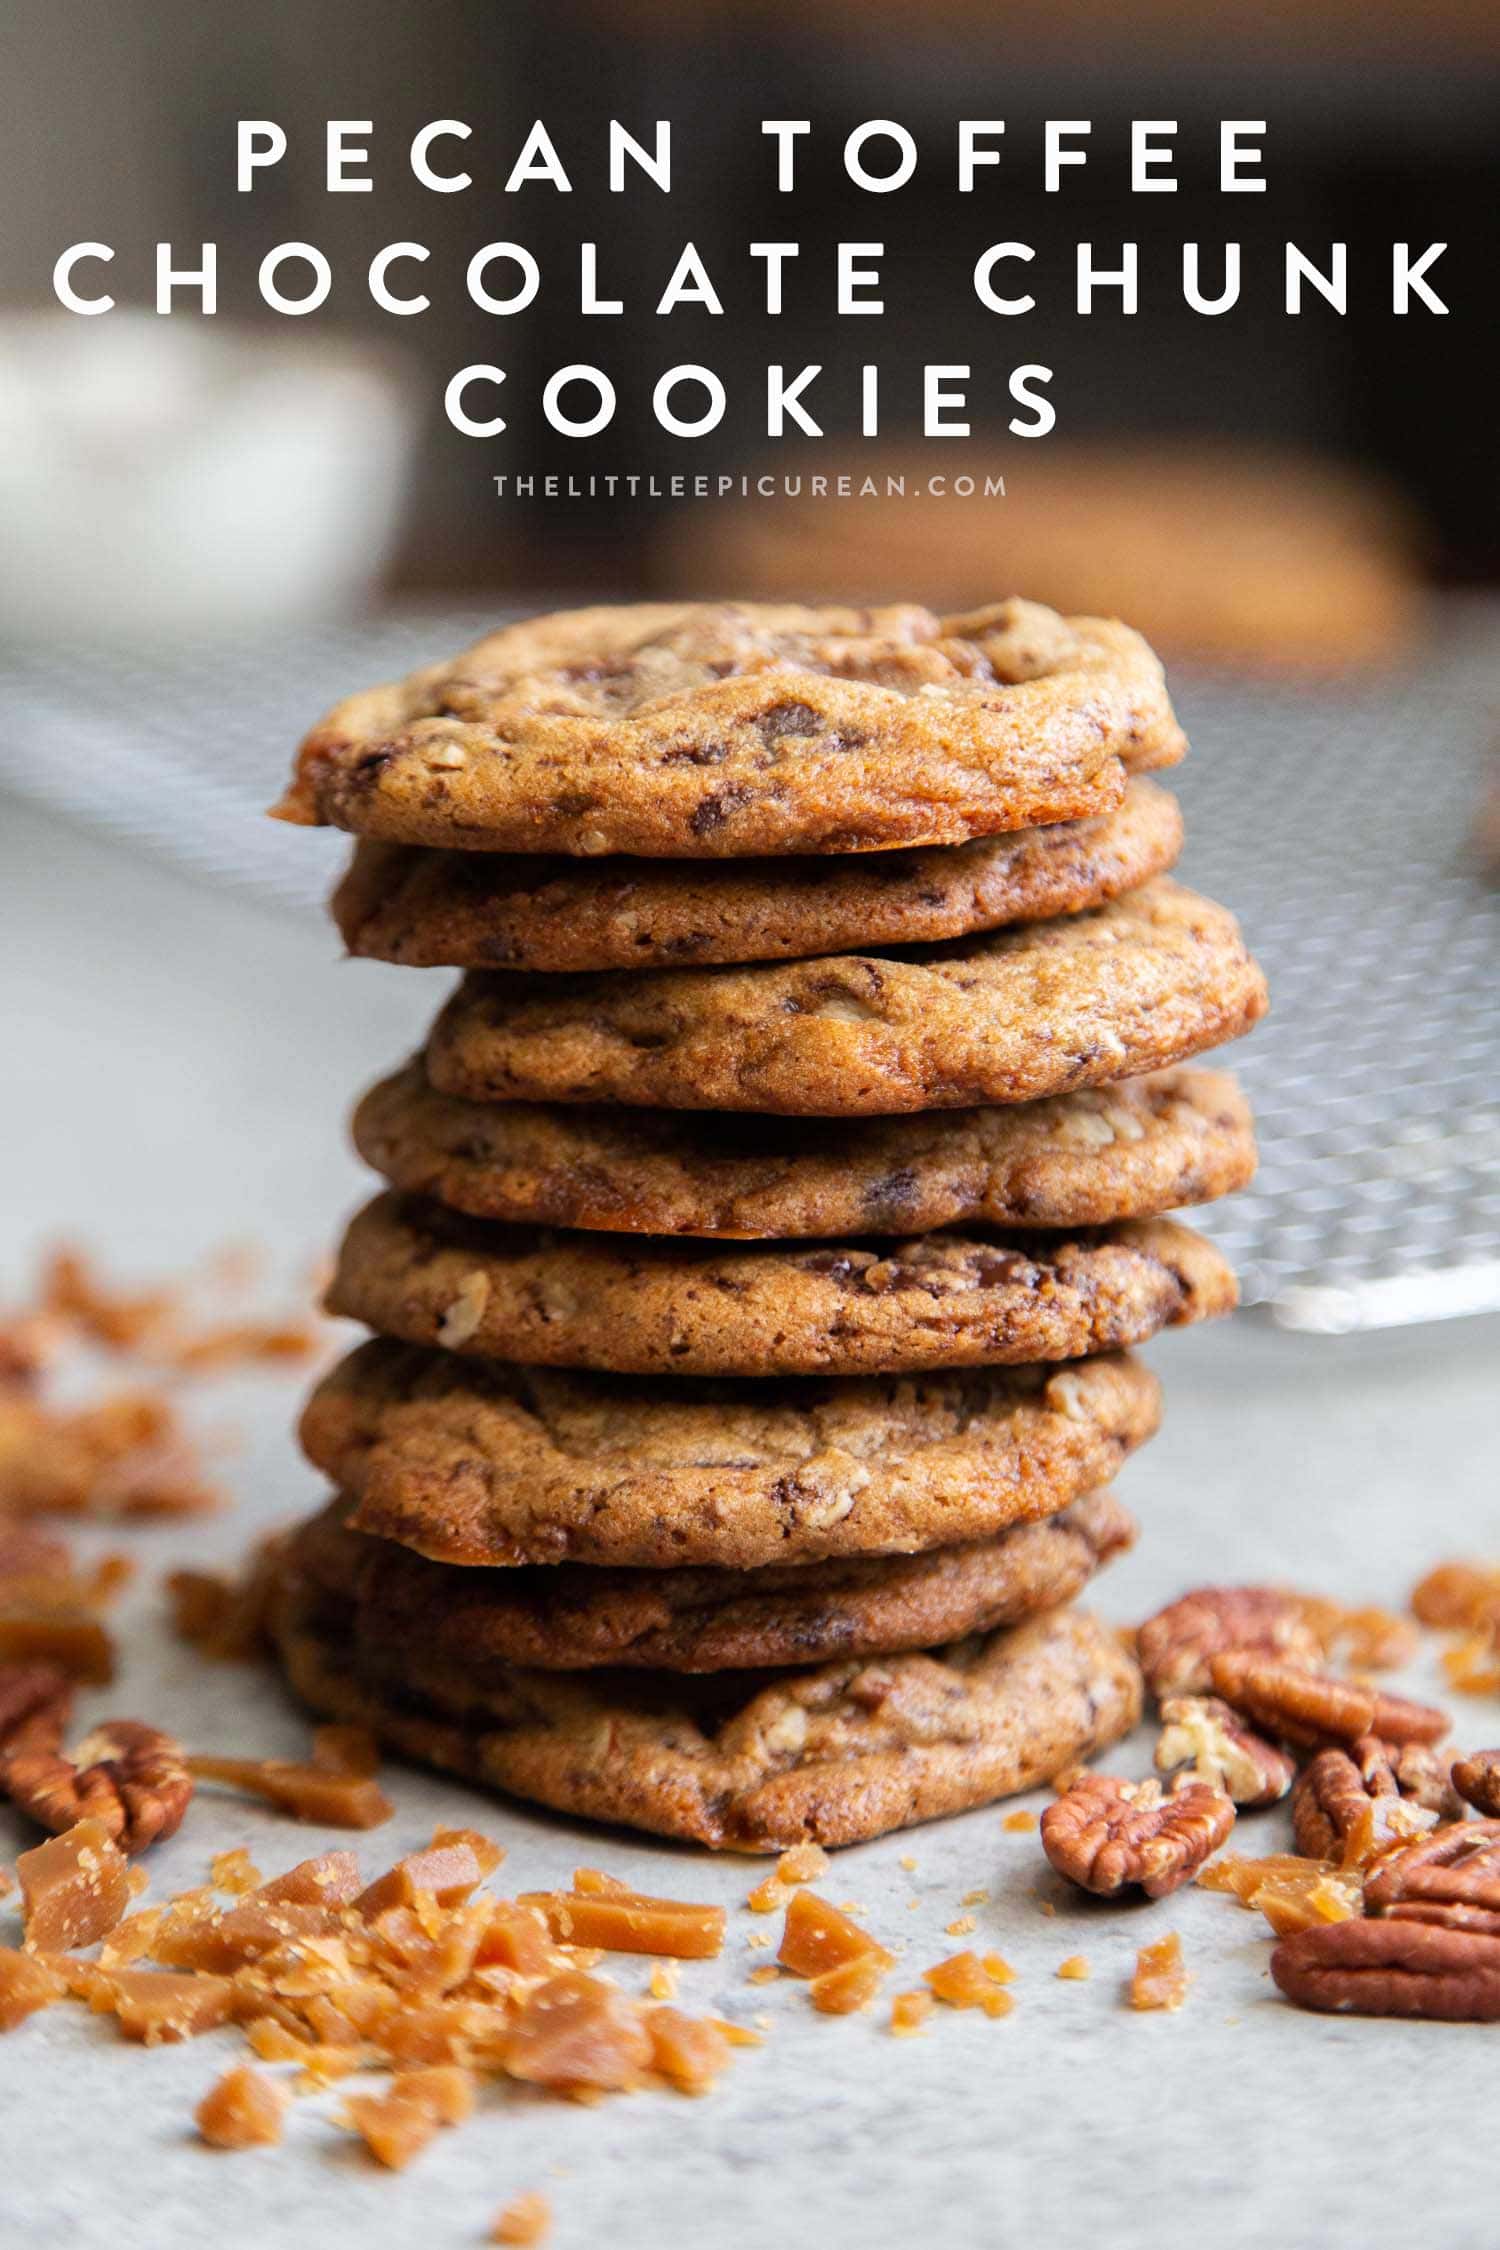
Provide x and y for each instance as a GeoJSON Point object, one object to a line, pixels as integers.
{"type": "Point", "coordinates": [1224, 551]}
{"type": "Point", "coordinates": [481, 910]}
{"type": "Point", "coordinates": [1147, 980]}
{"type": "Point", "coordinates": [473, 1461]}
{"type": "Point", "coordinates": [1127, 1151]}
{"type": "Point", "coordinates": [413, 1269]}
{"type": "Point", "coordinates": [701, 731]}
{"type": "Point", "coordinates": [834, 1755]}
{"type": "Point", "coordinates": [567, 1617]}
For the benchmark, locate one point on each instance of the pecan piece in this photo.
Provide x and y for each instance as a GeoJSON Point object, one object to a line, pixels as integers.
{"type": "Point", "coordinates": [1311, 1708]}
{"type": "Point", "coordinates": [1176, 1646]}
{"type": "Point", "coordinates": [1425, 1776]}
{"type": "Point", "coordinates": [129, 1777]}
{"type": "Point", "coordinates": [1455, 1866]}
{"type": "Point", "coordinates": [36, 1703]}
{"type": "Point", "coordinates": [1108, 1835]}
{"type": "Point", "coordinates": [1392, 1968]}
{"type": "Point", "coordinates": [1476, 1779]}
{"type": "Point", "coordinates": [1349, 1805]}
{"type": "Point", "coordinates": [1201, 1732]}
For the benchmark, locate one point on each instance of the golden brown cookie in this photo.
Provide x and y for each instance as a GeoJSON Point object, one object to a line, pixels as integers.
{"type": "Point", "coordinates": [723, 731]}
{"type": "Point", "coordinates": [473, 1461]}
{"type": "Point", "coordinates": [564, 1617]}
{"type": "Point", "coordinates": [834, 1755]}
{"type": "Point", "coordinates": [1148, 980]}
{"type": "Point", "coordinates": [412, 1268]}
{"type": "Point", "coordinates": [1083, 1159]}
{"type": "Point", "coordinates": [483, 910]}
{"type": "Point", "coordinates": [1226, 551]}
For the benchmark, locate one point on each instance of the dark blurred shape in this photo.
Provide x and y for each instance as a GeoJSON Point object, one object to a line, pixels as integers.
{"type": "Point", "coordinates": [1231, 554]}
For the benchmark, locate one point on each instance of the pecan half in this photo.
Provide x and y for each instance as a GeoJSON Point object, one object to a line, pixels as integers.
{"type": "Point", "coordinates": [1455, 1866]}
{"type": "Point", "coordinates": [1477, 1781]}
{"type": "Point", "coordinates": [128, 1776]}
{"type": "Point", "coordinates": [1349, 1805]}
{"type": "Point", "coordinates": [1176, 1646]}
{"type": "Point", "coordinates": [1108, 1835]}
{"type": "Point", "coordinates": [1311, 1708]}
{"type": "Point", "coordinates": [1206, 1734]}
{"type": "Point", "coordinates": [1394, 1968]}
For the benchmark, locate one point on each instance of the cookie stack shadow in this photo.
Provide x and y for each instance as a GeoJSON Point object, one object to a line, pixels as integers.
{"type": "Point", "coordinates": [771, 1214]}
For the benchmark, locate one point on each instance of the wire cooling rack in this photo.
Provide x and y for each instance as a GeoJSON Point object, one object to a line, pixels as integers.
{"type": "Point", "coordinates": [1335, 820]}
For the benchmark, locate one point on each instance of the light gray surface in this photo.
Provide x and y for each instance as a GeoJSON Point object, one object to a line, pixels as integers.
{"type": "Point", "coordinates": [176, 1068]}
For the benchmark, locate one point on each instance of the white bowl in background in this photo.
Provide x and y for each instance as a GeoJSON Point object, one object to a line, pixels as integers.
{"type": "Point", "coordinates": [170, 477]}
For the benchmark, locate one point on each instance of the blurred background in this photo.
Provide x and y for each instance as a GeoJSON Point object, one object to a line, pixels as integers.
{"type": "Point", "coordinates": [118, 124]}
{"type": "Point", "coordinates": [214, 528]}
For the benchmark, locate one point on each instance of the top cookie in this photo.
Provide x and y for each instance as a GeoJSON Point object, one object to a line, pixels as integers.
{"type": "Point", "coordinates": [718, 731]}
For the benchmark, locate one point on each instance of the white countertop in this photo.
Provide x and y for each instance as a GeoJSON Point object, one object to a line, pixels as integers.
{"type": "Point", "coordinates": [176, 1070]}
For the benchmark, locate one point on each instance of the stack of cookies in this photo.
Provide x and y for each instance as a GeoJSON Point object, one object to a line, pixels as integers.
{"type": "Point", "coordinates": [771, 1212]}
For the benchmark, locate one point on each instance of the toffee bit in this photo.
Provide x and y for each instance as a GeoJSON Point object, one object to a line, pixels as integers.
{"type": "Point", "coordinates": [243, 2109]}
{"type": "Point", "coordinates": [963, 1981]}
{"type": "Point", "coordinates": [305, 1792]}
{"type": "Point", "coordinates": [1160, 1980]}
{"type": "Point", "coordinates": [524, 2222]}
{"type": "Point", "coordinates": [910, 2011]}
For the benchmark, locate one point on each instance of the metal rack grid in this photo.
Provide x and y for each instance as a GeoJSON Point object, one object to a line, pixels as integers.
{"type": "Point", "coordinates": [1334, 819]}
